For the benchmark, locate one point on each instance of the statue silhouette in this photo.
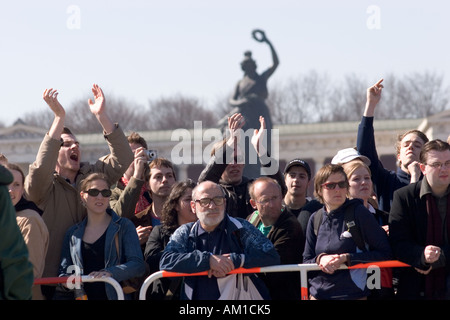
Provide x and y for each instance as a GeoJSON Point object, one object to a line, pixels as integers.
{"type": "Point", "coordinates": [249, 98]}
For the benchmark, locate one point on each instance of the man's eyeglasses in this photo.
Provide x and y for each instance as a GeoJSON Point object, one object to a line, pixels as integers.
{"type": "Point", "coordinates": [438, 165]}
{"type": "Point", "coordinates": [332, 185]}
{"type": "Point", "coordinates": [94, 192]}
{"type": "Point", "coordinates": [205, 202]}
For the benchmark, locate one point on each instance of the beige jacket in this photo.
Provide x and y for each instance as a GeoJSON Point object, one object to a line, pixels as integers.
{"type": "Point", "coordinates": [61, 201]}
{"type": "Point", "coordinates": [35, 234]}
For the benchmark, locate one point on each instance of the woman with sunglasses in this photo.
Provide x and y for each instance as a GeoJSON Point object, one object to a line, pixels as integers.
{"type": "Point", "coordinates": [331, 244]}
{"type": "Point", "coordinates": [91, 244]}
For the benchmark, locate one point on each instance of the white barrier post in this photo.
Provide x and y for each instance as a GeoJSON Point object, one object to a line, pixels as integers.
{"type": "Point", "coordinates": [302, 268]}
{"type": "Point", "coordinates": [111, 281]}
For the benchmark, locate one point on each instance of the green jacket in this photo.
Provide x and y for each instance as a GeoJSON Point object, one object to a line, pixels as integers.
{"type": "Point", "coordinates": [16, 271]}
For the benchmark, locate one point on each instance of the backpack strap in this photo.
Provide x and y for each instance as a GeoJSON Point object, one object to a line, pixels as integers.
{"type": "Point", "coordinates": [318, 216]}
{"type": "Point", "coordinates": [352, 227]}
{"type": "Point", "coordinates": [350, 222]}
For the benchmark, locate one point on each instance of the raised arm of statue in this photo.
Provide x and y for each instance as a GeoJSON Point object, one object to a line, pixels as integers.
{"type": "Point", "coordinates": [260, 36]}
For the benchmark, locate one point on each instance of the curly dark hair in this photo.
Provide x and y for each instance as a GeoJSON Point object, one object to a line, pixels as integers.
{"type": "Point", "coordinates": [169, 214]}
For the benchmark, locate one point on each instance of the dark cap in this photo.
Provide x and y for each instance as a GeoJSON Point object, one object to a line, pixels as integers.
{"type": "Point", "coordinates": [298, 162]}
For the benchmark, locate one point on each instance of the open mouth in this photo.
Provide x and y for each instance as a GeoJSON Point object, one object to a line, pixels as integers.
{"type": "Point", "coordinates": [74, 157]}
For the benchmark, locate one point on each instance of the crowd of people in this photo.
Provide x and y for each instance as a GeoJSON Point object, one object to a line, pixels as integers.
{"type": "Point", "coordinates": [127, 216]}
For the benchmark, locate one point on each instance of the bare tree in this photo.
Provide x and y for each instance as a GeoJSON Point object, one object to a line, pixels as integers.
{"type": "Point", "coordinates": [40, 119]}
{"type": "Point", "coordinates": [179, 112]}
{"type": "Point", "coordinates": [128, 114]}
{"type": "Point", "coordinates": [352, 99]}
{"type": "Point", "coordinates": [313, 97]}
{"type": "Point", "coordinates": [415, 95]}
{"type": "Point", "coordinates": [80, 120]}
{"type": "Point", "coordinates": [310, 97]}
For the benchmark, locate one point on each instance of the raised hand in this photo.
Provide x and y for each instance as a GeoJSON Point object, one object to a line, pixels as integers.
{"type": "Point", "coordinates": [374, 92]}
{"type": "Point", "coordinates": [51, 98]}
{"type": "Point", "coordinates": [140, 159]}
{"type": "Point", "coordinates": [98, 105]}
{"type": "Point", "coordinates": [257, 137]}
{"type": "Point", "coordinates": [235, 123]}
{"type": "Point", "coordinates": [99, 110]}
{"type": "Point", "coordinates": [373, 97]}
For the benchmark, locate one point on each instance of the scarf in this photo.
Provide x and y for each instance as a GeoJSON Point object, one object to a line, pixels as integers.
{"type": "Point", "coordinates": [435, 281]}
{"type": "Point", "coordinates": [144, 197]}
{"type": "Point", "coordinates": [24, 204]}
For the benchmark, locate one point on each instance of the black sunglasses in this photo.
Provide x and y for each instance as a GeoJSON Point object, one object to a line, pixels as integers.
{"type": "Point", "coordinates": [332, 185]}
{"type": "Point", "coordinates": [94, 192]}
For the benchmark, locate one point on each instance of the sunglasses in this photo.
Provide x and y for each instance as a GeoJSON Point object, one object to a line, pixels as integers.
{"type": "Point", "coordinates": [205, 202]}
{"type": "Point", "coordinates": [94, 192]}
{"type": "Point", "coordinates": [332, 185]}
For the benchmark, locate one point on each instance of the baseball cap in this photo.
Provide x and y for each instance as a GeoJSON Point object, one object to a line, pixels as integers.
{"type": "Point", "coordinates": [349, 154]}
{"type": "Point", "coordinates": [298, 162]}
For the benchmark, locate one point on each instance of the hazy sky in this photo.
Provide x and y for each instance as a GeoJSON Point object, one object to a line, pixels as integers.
{"type": "Point", "coordinates": [145, 49]}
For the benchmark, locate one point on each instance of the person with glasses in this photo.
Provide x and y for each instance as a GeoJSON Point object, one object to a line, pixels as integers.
{"type": "Point", "coordinates": [91, 244]}
{"type": "Point", "coordinates": [216, 243]}
{"type": "Point", "coordinates": [54, 177]}
{"type": "Point", "coordinates": [331, 244]}
{"type": "Point", "coordinates": [419, 227]}
{"type": "Point", "coordinates": [282, 228]}
{"type": "Point", "coordinates": [408, 146]}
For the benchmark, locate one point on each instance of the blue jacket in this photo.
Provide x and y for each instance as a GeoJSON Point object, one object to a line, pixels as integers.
{"type": "Point", "coordinates": [251, 249]}
{"type": "Point", "coordinates": [132, 262]}
{"type": "Point", "coordinates": [385, 181]}
{"type": "Point", "coordinates": [330, 239]}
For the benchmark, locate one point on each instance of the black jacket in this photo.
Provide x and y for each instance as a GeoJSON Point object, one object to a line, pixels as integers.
{"type": "Point", "coordinates": [289, 241]}
{"type": "Point", "coordinates": [238, 198]}
{"type": "Point", "coordinates": [407, 234]}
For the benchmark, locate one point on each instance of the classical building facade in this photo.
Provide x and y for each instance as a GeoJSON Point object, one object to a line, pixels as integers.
{"type": "Point", "coordinates": [317, 143]}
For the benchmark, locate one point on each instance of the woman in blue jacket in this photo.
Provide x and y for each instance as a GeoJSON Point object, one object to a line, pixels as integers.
{"type": "Point", "coordinates": [330, 244]}
{"type": "Point", "coordinates": [91, 244]}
